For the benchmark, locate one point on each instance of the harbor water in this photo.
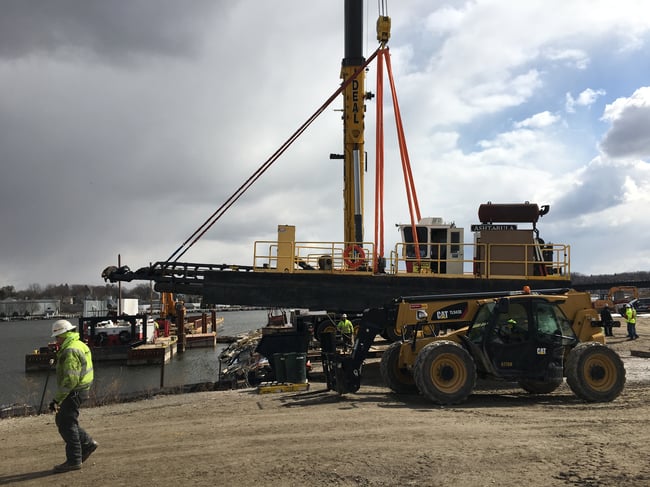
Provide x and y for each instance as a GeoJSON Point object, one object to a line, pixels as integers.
{"type": "Point", "coordinates": [194, 366]}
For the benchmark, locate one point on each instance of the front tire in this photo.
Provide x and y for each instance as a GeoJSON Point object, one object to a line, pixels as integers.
{"type": "Point", "coordinates": [445, 372]}
{"type": "Point", "coordinates": [397, 379]}
{"type": "Point", "coordinates": [595, 372]}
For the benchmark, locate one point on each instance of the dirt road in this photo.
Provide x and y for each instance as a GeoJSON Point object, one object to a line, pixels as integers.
{"type": "Point", "coordinates": [500, 437]}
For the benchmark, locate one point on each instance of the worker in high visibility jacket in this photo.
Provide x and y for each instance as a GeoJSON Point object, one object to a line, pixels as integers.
{"type": "Point", "coordinates": [630, 317]}
{"type": "Point", "coordinates": [346, 328]}
{"type": "Point", "coordinates": [74, 376]}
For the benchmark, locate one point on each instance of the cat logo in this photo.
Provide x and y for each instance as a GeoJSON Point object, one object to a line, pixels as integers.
{"type": "Point", "coordinates": [442, 315]}
{"type": "Point", "coordinates": [541, 351]}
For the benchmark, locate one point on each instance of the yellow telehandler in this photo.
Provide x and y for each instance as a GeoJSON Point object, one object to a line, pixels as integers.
{"type": "Point", "coordinates": [531, 338]}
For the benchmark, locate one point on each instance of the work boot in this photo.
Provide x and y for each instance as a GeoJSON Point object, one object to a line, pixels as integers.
{"type": "Point", "coordinates": [86, 451]}
{"type": "Point", "coordinates": [66, 467]}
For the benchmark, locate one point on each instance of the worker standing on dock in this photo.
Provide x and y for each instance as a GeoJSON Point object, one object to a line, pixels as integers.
{"type": "Point", "coordinates": [346, 329]}
{"type": "Point", "coordinates": [74, 376]}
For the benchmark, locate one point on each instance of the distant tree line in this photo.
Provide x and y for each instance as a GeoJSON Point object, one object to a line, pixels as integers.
{"type": "Point", "coordinates": [640, 277]}
{"type": "Point", "coordinates": [79, 292]}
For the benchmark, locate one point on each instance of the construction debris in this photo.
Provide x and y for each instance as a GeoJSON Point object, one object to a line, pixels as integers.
{"type": "Point", "coordinates": [240, 363]}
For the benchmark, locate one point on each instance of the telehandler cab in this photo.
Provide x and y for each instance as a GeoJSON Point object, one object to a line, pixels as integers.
{"type": "Point", "coordinates": [529, 338]}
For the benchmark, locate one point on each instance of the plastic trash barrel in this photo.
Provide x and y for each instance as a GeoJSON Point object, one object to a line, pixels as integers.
{"type": "Point", "coordinates": [279, 367]}
{"type": "Point", "coordinates": [296, 368]}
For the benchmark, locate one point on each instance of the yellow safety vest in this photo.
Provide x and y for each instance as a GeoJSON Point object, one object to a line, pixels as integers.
{"type": "Point", "coordinates": [630, 315]}
{"type": "Point", "coordinates": [345, 326]}
{"type": "Point", "coordinates": [74, 367]}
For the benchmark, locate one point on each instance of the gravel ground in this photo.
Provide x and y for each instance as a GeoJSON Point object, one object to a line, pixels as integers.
{"type": "Point", "coordinates": [500, 436]}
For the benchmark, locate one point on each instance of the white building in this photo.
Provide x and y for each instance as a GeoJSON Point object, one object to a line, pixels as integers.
{"type": "Point", "coordinates": [96, 307]}
{"type": "Point", "coordinates": [29, 307]}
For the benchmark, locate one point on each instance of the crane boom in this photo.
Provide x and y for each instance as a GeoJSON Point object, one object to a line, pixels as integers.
{"type": "Point", "coordinates": [353, 123]}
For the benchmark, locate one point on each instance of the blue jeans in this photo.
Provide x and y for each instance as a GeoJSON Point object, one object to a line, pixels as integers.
{"type": "Point", "coordinates": [631, 330]}
{"type": "Point", "coordinates": [67, 420]}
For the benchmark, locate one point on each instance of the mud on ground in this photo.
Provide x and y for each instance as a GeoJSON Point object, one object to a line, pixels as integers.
{"type": "Point", "coordinates": [501, 436]}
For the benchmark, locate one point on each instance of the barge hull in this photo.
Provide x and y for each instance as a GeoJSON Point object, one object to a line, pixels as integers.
{"type": "Point", "coordinates": [352, 293]}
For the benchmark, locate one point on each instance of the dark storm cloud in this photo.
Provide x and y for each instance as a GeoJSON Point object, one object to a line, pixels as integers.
{"type": "Point", "coordinates": [629, 135]}
{"type": "Point", "coordinates": [600, 188]}
{"type": "Point", "coordinates": [113, 30]}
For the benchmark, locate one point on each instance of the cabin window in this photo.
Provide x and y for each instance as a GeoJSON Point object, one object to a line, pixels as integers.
{"type": "Point", "coordinates": [422, 240]}
{"type": "Point", "coordinates": [455, 243]}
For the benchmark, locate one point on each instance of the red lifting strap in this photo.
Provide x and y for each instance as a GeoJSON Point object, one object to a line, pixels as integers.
{"type": "Point", "coordinates": [411, 195]}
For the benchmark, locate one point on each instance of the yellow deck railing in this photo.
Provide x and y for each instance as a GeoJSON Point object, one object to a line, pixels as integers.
{"type": "Point", "coordinates": [495, 261]}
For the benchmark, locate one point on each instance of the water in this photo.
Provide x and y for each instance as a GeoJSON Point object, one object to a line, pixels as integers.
{"type": "Point", "coordinates": [17, 338]}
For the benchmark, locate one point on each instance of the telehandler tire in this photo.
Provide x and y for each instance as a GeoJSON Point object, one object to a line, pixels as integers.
{"type": "Point", "coordinates": [538, 386]}
{"type": "Point", "coordinates": [398, 380]}
{"type": "Point", "coordinates": [325, 327]}
{"type": "Point", "coordinates": [445, 372]}
{"type": "Point", "coordinates": [391, 335]}
{"type": "Point", "coordinates": [595, 372]}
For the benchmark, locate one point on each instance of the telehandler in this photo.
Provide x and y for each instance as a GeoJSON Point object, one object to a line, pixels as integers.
{"type": "Point", "coordinates": [530, 338]}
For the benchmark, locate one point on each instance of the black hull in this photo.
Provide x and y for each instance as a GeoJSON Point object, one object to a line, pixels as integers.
{"type": "Point", "coordinates": [334, 292]}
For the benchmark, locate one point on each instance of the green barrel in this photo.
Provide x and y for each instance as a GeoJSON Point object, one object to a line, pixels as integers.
{"type": "Point", "coordinates": [279, 367]}
{"type": "Point", "coordinates": [296, 368]}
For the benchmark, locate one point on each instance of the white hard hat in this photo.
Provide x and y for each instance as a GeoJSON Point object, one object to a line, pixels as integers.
{"type": "Point", "coordinates": [61, 326]}
{"type": "Point", "coordinates": [344, 315]}
{"type": "Point", "coordinates": [628, 305]}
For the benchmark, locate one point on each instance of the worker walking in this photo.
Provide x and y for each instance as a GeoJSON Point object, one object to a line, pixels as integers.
{"type": "Point", "coordinates": [630, 317]}
{"type": "Point", "coordinates": [346, 329]}
{"type": "Point", "coordinates": [606, 319]}
{"type": "Point", "coordinates": [74, 376]}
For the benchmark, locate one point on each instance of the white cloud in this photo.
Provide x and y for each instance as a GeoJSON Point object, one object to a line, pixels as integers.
{"type": "Point", "coordinates": [572, 57]}
{"type": "Point", "coordinates": [586, 98]}
{"type": "Point", "coordinates": [539, 120]}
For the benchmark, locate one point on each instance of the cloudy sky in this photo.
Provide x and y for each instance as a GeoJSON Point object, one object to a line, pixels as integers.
{"type": "Point", "coordinates": [124, 125]}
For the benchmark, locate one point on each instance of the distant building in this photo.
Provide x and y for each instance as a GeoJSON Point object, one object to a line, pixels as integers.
{"type": "Point", "coordinates": [96, 307]}
{"type": "Point", "coordinates": [30, 307]}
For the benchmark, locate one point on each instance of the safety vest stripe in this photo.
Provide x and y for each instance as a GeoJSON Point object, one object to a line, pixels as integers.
{"type": "Point", "coordinates": [82, 358]}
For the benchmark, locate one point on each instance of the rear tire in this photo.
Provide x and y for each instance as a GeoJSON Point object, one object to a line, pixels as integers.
{"type": "Point", "coordinates": [595, 372]}
{"type": "Point", "coordinates": [398, 380]}
{"type": "Point", "coordinates": [539, 386]}
{"type": "Point", "coordinates": [390, 334]}
{"type": "Point", "coordinates": [326, 327]}
{"type": "Point", "coordinates": [445, 372]}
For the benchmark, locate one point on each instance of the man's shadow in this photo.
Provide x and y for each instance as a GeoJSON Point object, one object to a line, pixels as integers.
{"type": "Point", "coordinates": [22, 477]}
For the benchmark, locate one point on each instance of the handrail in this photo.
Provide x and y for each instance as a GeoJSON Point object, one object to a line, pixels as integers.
{"type": "Point", "coordinates": [495, 261]}
{"type": "Point", "coordinates": [310, 256]}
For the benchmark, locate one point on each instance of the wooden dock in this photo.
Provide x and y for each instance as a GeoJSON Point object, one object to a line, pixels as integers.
{"type": "Point", "coordinates": [201, 340]}
{"type": "Point", "coordinates": [152, 353]}
{"type": "Point", "coordinates": [156, 353]}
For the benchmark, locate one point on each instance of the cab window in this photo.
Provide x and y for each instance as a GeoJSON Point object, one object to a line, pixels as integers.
{"type": "Point", "coordinates": [551, 320]}
{"type": "Point", "coordinates": [512, 326]}
{"type": "Point", "coordinates": [422, 240]}
{"type": "Point", "coordinates": [477, 331]}
{"type": "Point", "coordinates": [547, 322]}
